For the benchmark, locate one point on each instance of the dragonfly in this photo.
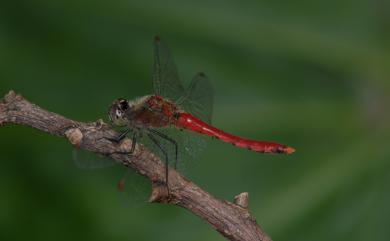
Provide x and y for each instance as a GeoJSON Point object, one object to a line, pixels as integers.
{"type": "Point", "coordinates": [172, 105]}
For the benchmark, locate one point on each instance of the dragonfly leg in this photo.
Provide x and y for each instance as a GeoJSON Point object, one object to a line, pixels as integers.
{"type": "Point", "coordinates": [121, 136]}
{"type": "Point", "coordinates": [171, 141]}
{"type": "Point", "coordinates": [133, 142]}
{"type": "Point", "coordinates": [158, 144]}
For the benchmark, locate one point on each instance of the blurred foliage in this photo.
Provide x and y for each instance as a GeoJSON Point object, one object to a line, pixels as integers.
{"type": "Point", "coordinates": [311, 74]}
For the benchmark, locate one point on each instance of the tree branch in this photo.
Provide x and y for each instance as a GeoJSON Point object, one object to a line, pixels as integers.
{"type": "Point", "coordinates": [231, 220]}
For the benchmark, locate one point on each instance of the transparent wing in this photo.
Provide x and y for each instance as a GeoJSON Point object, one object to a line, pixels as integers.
{"type": "Point", "coordinates": [133, 189]}
{"type": "Point", "coordinates": [190, 145]}
{"type": "Point", "coordinates": [166, 80]}
{"type": "Point", "coordinates": [87, 160]}
{"type": "Point", "coordinates": [199, 97]}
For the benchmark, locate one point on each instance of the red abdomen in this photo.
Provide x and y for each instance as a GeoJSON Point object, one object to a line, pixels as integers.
{"type": "Point", "coordinates": [188, 121]}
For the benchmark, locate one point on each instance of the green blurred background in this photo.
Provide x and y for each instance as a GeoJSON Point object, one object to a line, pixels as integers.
{"type": "Point", "coordinates": [314, 75]}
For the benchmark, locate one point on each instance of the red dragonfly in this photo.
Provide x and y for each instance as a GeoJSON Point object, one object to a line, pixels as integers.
{"type": "Point", "coordinates": [173, 105]}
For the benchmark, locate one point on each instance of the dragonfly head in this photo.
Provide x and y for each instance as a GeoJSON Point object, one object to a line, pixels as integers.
{"type": "Point", "coordinates": [117, 112]}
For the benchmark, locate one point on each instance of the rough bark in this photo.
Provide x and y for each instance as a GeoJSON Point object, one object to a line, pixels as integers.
{"type": "Point", "coordinates": [232, 220]}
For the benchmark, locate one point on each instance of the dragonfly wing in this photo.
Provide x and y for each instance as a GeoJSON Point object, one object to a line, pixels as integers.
{"type": "Point", "coordinates": [133, 189]}
{"type": "Point", "coordinates": [166, 80]}
{"type": "Point", "coordinates": [199, 97]}
{"type": "Point", "coordinates": [190, 145]}
{"type": "Point", "coordinates": [90, 161]}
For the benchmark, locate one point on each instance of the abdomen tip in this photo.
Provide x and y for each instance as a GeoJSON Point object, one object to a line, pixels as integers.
{"type": "Point", "coordinates": [289, 150]}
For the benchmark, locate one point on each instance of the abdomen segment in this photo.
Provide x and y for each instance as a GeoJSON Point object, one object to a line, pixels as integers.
{"type": "Point", "coordinates": [189, 122]}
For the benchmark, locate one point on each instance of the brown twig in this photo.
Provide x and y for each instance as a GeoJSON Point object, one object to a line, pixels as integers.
{"type": "Point", "coordinates": [232, 220]}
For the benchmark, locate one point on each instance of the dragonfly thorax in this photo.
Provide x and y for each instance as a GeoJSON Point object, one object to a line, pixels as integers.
{"type": "Point", "coordinates": [149, 111]}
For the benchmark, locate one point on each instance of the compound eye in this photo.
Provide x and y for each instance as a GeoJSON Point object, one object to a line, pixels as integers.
{"type": "Point", "coordinates": [123, 104]}
{"type": "Point", "coordinates": [118, 113]}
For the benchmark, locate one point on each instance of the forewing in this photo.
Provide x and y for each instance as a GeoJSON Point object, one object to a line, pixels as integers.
{"type": "Point", "coordinates": [133, 189]}
{"type": "Point", "coordinates": [90, 161]}
{"type": "Point", "coordinates": [166, 80]}
{"type": "Point", "coordinates": [199, 97]}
